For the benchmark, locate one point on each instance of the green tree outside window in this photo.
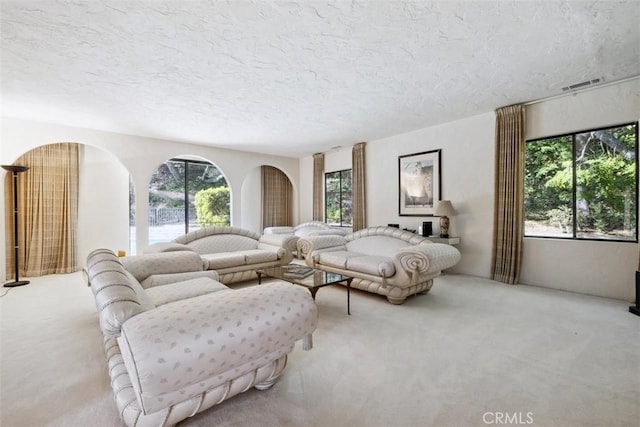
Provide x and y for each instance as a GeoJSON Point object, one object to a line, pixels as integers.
{"type": "Point", "coordinates": [583, 185]}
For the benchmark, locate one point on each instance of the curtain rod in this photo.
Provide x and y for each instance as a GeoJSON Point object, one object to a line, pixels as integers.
{"type": "Point", "coordinates": [575, 92]}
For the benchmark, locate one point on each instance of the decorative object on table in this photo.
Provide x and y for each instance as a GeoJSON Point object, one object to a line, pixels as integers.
{"type": "Point", "coordinates": [419, 177]}
{"type": "Point", "coordinates": [297, 271]}
{"type": "Point", "coordinates": [426, 229]}
{"type": "Point", "coordinates": [446, 240]}
{"type": "Point", "coordinates": [15, 170]}
{"type": "Point", "coordinates": [394, 225]}
{"type": "Point", "coordinates": [444, 210]}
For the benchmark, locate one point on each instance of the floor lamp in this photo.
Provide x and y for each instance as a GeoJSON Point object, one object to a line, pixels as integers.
{"type": "Point", "coordinates": [15, 169]}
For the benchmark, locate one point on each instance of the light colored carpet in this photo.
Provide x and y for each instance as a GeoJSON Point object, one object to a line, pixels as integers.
{"type": "Point", "coordinates": [469, 348]}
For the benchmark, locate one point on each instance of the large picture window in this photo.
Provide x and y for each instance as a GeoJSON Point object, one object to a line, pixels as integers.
{"type": "Point", "coordinates": [338, 198]}
{"type": "Point", "coordinates": [185, 195]}
{"type": "Point", "coordinates": [583, 185]}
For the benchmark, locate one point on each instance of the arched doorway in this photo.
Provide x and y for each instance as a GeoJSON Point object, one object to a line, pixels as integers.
{"type": "Point", "coordinates": [261, 197]}
{"type": "Point", "coordinates": [97, 217]}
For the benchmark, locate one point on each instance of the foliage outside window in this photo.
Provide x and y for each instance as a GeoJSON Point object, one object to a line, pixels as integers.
{"type": "Point", "coordinates": [185, 195]}
{"type": "Point", "coordinates": [583, 185]}
{"type": "Point", "coordinates": [338, 196]}
{"type": "Point", "coordinates": [132, 218]}
{"type": "Point", "coordinates": [212, 206]}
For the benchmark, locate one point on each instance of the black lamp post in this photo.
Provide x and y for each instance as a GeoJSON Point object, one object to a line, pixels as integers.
{"type": "Point", "coordinates": [15, 169]}
{"type": "Point", "coordinates": [635, 309]}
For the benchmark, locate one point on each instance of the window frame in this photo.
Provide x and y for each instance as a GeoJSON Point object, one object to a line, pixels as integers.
{"type": "Point", "coordinates": [574, 236]}
{"type": "Point", "coordinates": [187, 162]}
{"type": "Point", "coordinates": [185, 182]}
{"type": "Point", "coordinates": [340, 172]}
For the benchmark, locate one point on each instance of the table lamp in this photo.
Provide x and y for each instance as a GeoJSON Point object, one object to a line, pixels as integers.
{"type": "Point", "coordinates": [444, 210]}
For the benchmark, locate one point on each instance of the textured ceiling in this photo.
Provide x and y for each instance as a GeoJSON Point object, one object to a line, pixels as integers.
{"type": "Point", "coordinates": [294, 78]}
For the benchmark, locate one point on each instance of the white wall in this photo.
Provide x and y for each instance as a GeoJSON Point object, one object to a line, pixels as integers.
{"type": "Point", "coordinates": [103, 211]}
{"type": "Point", "coordinates": [467, 171]}
{"type": "Point", "coordinates": [597, 268]}
{"type": "Point", "coordinates": [306, 189]}
{"type": "Point", "coordinates": [140, 156]}
{"type": "Point", "coordinates": [338, 160]}
{"type": "Point", "coordinates": [251, 201]}
{"type": "Point", "coordinates": [467, 180]}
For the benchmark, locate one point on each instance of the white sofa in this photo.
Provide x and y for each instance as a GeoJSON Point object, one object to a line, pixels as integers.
{"type": "Point", "coordinates": [179, 342]}
{"type": "Point", "coordinates": [305, 229]}
{"type": "Point", "coordinates": [383, 260]}
{"type": "Point", "coordinates": [233, 252]}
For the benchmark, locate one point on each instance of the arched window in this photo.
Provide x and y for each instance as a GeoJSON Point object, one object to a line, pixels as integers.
{"type": "Point", "coordinates": [185, 195]}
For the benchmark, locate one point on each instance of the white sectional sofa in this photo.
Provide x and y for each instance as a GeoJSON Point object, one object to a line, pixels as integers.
{"type": "Point", "coordinates": [383, 260]}
{"type": "Point", "coordinates": [233, 252]}
{"type": "Point", "coordinates": [179, 342]}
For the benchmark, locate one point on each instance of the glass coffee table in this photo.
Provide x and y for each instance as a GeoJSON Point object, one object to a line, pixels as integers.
{"type": "Point", "coordinates": [314, 280]}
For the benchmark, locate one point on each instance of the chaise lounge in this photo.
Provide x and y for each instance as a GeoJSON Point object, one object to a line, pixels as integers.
{"type": "Point", "coordinates": [179, 342]}
{"type": "Point", "coordinates": [382, 260]}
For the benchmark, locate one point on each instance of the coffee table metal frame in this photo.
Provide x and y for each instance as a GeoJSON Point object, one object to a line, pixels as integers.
{"type": "Point", "coordinates": [313, 282]}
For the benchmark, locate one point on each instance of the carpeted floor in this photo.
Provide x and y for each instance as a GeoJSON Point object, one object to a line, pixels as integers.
{"type": "Point", "coordinates": [472, 352]}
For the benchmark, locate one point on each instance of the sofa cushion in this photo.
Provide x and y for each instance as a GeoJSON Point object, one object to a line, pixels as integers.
{"type": "Point", "coordinates": [160, 247]}
{"type": "Point", "coordinates": [167, 278]}
{"type": "Point", "coordinates": [309, 230]}
{"type": "Point", "coordinates": [182, 290]}
{"type": "Point", "coordinates": [256, 256]}
{"type": "Point", "coordinates": [377, 245]}
{"type": "Point", "coordinates": [370, 264]}
{"type": "Point", "coordinates": [116, 301]}
{"type": "Point", "coordinates": [143, 266]}
{"type": "Point", "coordinates": [217, 243]}
{"type": "Point", "coordinates": [336, 259]}
{"type": "Point", "coordinates": [145, 302]}
{"type": "Point", "coordinates": [286, 229]}
{"type": "Point", "coordinates": [224, 260]}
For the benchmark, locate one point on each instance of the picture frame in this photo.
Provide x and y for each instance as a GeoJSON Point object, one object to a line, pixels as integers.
{"type": "Point", "coordinates": [419, 183]}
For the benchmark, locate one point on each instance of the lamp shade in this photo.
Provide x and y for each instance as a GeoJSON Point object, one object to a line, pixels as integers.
{"type": "Point", "coordinates": [444, 208]}
{"type": "Point", "coordinates": [15, 168]}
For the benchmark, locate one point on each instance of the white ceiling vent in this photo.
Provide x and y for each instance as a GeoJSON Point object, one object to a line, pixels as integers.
{"type": "Point", "coordinates": [583, 84]}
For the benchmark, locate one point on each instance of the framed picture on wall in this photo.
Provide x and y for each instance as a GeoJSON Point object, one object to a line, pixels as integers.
{"type": "Point", "coordinates": [419, 177]}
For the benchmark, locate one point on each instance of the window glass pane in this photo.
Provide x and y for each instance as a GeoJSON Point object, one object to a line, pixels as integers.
{"type": "Point", "coordinates": [332, 198]}
{"type": "Point", "coordinates": [606, 184]}
{"type": "Point", "coordinates": [166, 202]}
{"type": "Point", "coordinates": [195, 183]}
{"type": "Point", "coordinates": [209, 195]}
{"type": "Point", "coordinates": [346, 201]}
{"type": "Point", "coordinates": [132, 218]}
{"type": "Point", "coordinates": [549, 187]}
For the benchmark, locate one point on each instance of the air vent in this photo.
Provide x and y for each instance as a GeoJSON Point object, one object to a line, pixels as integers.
{"type": "Point", "coordinates": [583, 84]}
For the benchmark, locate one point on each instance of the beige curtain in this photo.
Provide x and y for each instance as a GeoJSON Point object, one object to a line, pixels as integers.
{"type": "Point", "coordinates": [318, 187]}
{"type": "Point", "coordinates": [509, 194]}
{"type": "Point", "coordinates": [358, 182]}
{"type": "Point", "coordinates": [48, 211]}
{"type": "Point", "coordinates": [276, 198]}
